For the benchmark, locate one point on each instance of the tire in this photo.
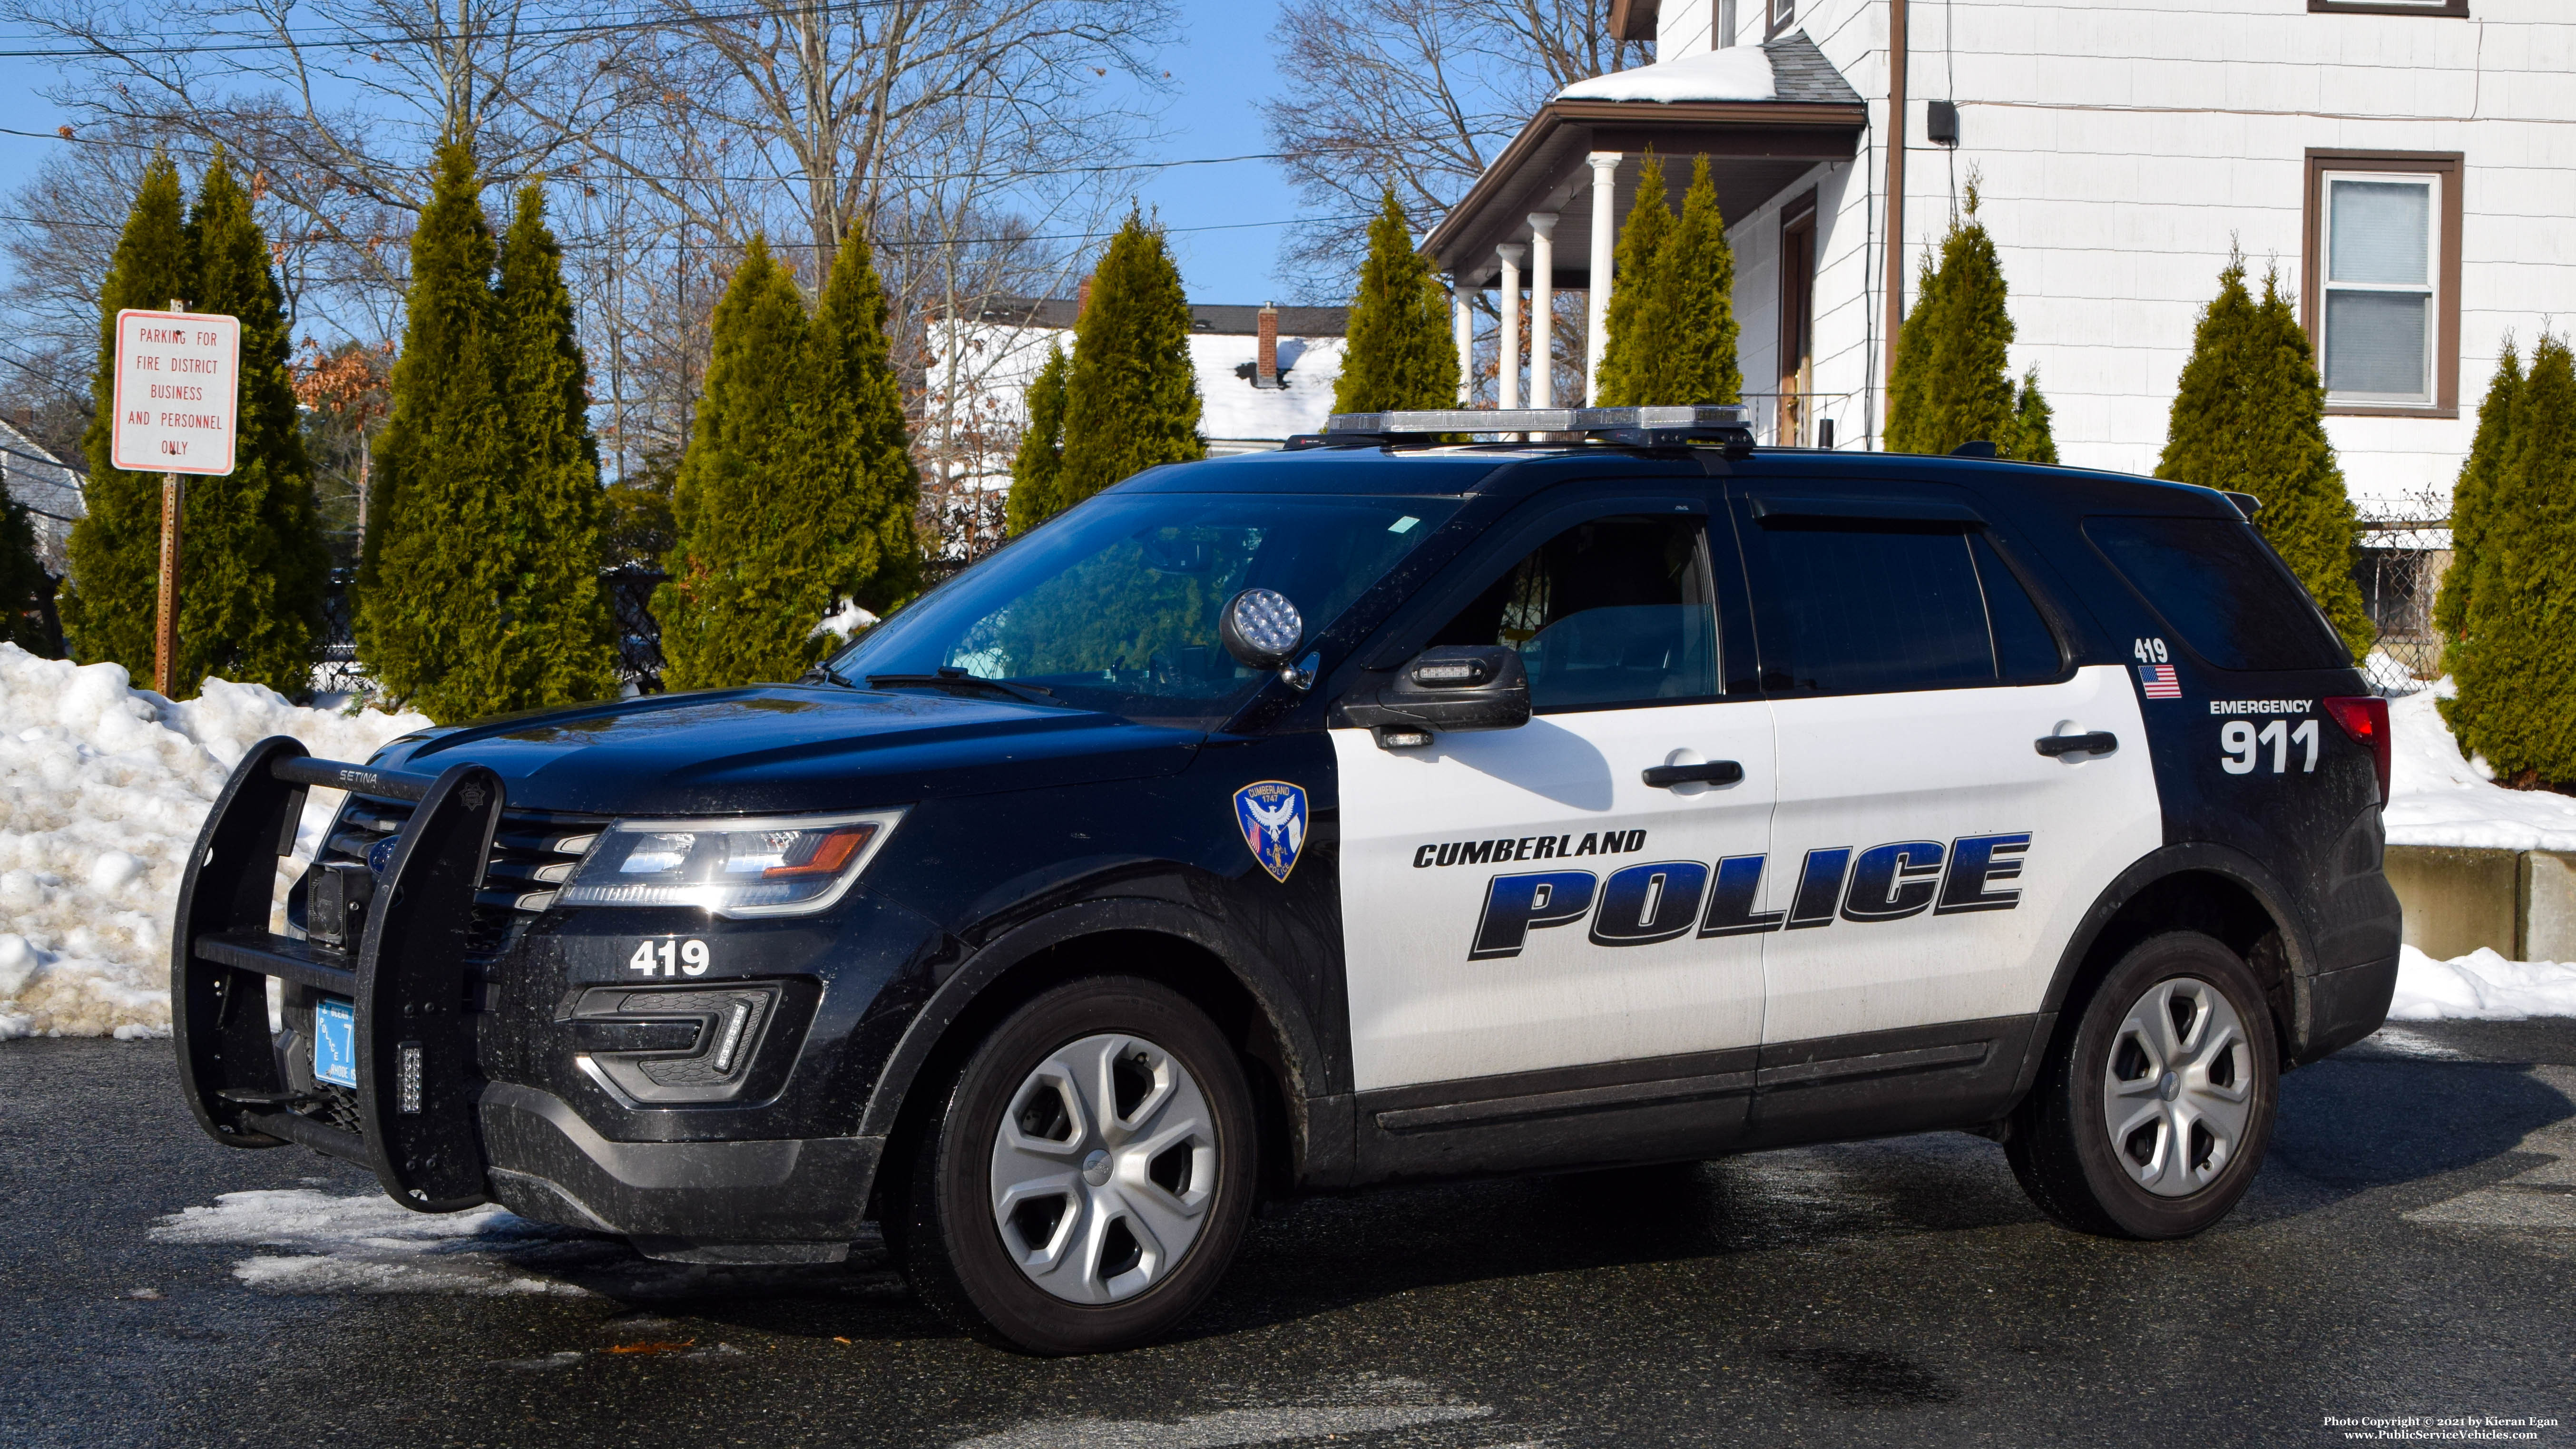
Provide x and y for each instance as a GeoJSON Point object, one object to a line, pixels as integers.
{"type": "Point", "coordinates": [2151, 1115]}
{"type": "Point", "coordinates": [1032, 1214]}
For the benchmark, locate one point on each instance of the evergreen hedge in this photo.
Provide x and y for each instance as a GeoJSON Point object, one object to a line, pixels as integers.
{"type": "Point", "coordinates": [858, 494]}
{"type": "Point", "coordinates": [2515, 661]}
{"type": "Point", "coordinates": [114, 554]}
{"type": "Point", "coordinates": [24, 585]}
{"type": "Point", "coordinates": [1131, 396]}
{"type": "Point", "coordinates": [559, 645]}
{"type": "Point", "coordinates": [1671, 329]}
{"type": "Point", "coordinates": [252, 560]}
{"type": "Point", "coordinates": [1953, 382]}
{"type": "Point", "coordinates": [1041, 453]}
{"type": "Point", "coordinates": [2249, 417]}
{"type": "Point", "coordinates": [2472, 501]}
{"type": "Point", "coordinates": [1401, 352]}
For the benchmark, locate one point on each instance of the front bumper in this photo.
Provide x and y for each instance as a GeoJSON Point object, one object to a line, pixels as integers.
{"type": "Point", "coordinates": [547, 1164]}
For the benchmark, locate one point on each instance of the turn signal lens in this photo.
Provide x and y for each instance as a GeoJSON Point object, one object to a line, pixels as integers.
{"type": "Point", "coordinates": [780, 866]}
{"type": "Point", "coordinates": [2365, 718]}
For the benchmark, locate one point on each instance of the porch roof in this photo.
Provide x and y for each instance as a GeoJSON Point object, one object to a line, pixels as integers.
{"type": "Point", "coordinates": [1755, 150]}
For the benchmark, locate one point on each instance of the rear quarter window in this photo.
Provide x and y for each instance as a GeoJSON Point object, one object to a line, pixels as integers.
{"type": "Point", "coordinates": [2217, 586]}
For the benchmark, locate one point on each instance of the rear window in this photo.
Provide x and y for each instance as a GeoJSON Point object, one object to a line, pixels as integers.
{"type": "Point", "coordinates": [2215, 584]}
{"type": "Point", "coordinates": [1866, 606]}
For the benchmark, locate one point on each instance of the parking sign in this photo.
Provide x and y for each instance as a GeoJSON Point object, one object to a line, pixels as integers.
{"type": "Point", "coordinates": [178, 391]}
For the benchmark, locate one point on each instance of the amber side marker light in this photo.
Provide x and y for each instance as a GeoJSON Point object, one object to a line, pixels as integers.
{"type": "Point", "coordinates": [2365, 718]}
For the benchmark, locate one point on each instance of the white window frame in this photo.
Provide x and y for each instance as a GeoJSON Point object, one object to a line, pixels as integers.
{"type": "Point", "coordinates": [2430, 289]}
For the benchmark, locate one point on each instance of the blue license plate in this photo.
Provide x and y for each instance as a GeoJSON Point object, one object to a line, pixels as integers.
{"type": "Point", "coordinates": [335, 1042]}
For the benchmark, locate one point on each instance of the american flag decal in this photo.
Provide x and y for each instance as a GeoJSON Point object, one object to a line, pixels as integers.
{"type": "Point", "coordinates": [2157, 681]}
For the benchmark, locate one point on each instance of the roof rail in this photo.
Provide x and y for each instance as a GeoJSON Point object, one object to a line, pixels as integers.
{"type": "Point", "coordinates": [1634, 427]}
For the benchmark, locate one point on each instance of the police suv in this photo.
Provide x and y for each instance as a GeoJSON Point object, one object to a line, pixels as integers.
{"type": "Point", "coordinates": [1388, 809]}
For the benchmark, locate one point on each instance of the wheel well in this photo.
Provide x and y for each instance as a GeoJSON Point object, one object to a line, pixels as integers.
{"type": "Point", "coordinates": [1186, 967]}
{"type": "Point", "coordinates": [2212, 904]}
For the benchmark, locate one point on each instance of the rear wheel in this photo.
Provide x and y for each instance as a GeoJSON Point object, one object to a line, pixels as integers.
{"type": "Point", "coordinates": [2151, 1116]}
{"type": "Point", "coordinates": [1091, 1176]}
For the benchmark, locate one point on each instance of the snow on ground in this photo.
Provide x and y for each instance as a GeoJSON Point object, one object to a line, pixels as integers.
{"type": "Point", "coordinates": [102, 790]}
{"type": "Point", "coordinates": [2437, 797]}
{"type": "Point", "coordinates": [369, 1244]}
{"type": "Point", "coordinates": [2481, 986]}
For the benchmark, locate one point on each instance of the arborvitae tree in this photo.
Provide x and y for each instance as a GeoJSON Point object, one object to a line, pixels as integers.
{"type": "Point", "coordinates": [856, 538]}
{"type": "Point", "coordinates": [433, 587]}
{"type": "Point", "coordinates": [2249, 417]}
{"type": "Point", "coordinates": [718, 615]}
{"type": "Point", "coordinates": [2472, 504]}
{"type": "Point", "coordinates": [1401, 353]}
{"type": "Point", "coordinates": [25, 587]}
{"type": "Point", "coordinates": [2517, 669]}
{"type": "Point", "coordinates": [2033, 435]}
{"type": "Point", "coordinates": [115, 552]}
{"type": "Point", "coordinates": [1639, 329]}
{"type": "Point", "coordinates": [1962, 390]}
{"type": "Point", "coordinates": [1041, 455]}
{"type": "Point", "coordinates": [560, 645]}
{"type": "Point", "coordinates": [253, 561]}
{"type": "Point", "coordinates": [1131, 398]}
{"type": "Point", "coordinates": [1696, 277]}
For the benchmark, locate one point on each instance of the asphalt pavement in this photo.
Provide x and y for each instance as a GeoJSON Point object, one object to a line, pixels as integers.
{"type": "Point", "coordinates": [2409, 1252]}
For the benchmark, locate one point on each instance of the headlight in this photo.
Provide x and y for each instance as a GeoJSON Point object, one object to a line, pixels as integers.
{"type": "Point", "coordinates": [784, 865]}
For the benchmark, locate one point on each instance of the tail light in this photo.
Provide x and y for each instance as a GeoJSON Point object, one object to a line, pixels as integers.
{"type": "Point", "coordinates": [2365, 718]}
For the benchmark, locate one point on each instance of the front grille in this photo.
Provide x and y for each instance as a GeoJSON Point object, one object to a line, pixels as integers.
{"type": "Point", "coordinates": [333, 1105]}
{"type": "Point", "coordinates": [533, 853]}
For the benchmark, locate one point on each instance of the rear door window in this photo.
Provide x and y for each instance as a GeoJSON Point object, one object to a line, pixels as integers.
{"type": "Point", "coordinates": [1858, 606]}
{"type": "Point", "coordinates": [2216, 585]}
{"type": "Point", "coordinates": [1613, 611]}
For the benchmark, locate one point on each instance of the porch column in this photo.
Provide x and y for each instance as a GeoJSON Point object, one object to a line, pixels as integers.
{"type": "Point", "coordinates": [1463, 324]}
{"type": "Point", "coordinates": [1542, 387]}
{"type": "Point", "coordinates": [1596, 301]}
{"type": "Point", "coordinates": [1510, 254]}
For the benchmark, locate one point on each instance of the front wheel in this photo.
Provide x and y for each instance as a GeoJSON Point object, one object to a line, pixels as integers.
{"type": "Point", "coordinates": [2151, 1116]}
{"type": "Point", "coordinates": [1091, 1176]}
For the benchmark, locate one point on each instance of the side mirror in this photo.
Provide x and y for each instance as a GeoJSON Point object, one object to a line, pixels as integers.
{"type": "Point", "coordinates": [1261, 628]}
{"type": "Point", "coordinates": [1452, 687]}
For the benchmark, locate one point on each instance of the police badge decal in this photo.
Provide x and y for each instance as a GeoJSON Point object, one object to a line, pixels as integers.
{"type": "Point", "coordinates": [1273, 816]}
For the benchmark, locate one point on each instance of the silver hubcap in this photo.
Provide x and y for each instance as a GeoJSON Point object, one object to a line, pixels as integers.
{"type": "Point", "coordinates": [1103, 1169]}
{"type": "Point", "coordinates": [2178, 1088]}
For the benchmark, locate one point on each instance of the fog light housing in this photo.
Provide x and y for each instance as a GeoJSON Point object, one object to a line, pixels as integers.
{"type": "Point", "coordinates": [658, 1045]}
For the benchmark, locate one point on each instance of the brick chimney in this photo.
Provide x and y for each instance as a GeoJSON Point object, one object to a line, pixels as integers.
{"type": "Point", "coordinates": [1266, 362]}
{"type": "Point", "coordinates": [1081, 298]}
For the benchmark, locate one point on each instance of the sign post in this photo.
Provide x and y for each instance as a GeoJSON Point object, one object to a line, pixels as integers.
{"type": "Point", "coordinates": [178, 401]}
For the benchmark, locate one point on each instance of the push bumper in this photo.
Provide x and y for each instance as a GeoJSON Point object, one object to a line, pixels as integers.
{"type": "Point", "coordinates": [792, 1200]}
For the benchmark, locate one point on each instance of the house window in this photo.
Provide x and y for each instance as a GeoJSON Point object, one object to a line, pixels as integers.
{"type": "Point", "coordinates": [1784, 13]}
{"type": "Point", "coordinates": [2382, 279]}
{"type": "Point", "coordinates": [2455, 8]}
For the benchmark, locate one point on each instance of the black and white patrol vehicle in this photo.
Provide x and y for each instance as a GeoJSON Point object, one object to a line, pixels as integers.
{"type": "Point", "coordinates": [1383, 810]}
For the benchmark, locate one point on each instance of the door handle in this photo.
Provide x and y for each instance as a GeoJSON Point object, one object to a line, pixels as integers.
{"type": "Point", "coordinates": [2100, 742]}
{"type": "Point", "coordinates": [1715, 772]}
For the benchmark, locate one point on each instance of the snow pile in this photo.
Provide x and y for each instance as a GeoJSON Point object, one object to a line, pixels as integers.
{"type": "Point", "coordinates": [1735, 73]}
{"type": "Point", "coordinates": [2481, 986]}
{"type": "Point", "coordinates": [369, 1244]}
{"type": "Point", "coordinates": [102, 790]}
{"type": "Point", "coordinates": [2437, 797]}
{"type": "Point", "coordinates": [843, 622]}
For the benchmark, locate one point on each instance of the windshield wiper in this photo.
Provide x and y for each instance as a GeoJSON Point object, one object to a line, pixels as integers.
{"type": "Point", "coordinates": [961, 680]}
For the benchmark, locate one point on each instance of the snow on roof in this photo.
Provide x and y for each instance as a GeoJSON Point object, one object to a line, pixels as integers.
{"type": "Point", "coordinates": [50, 492]}
{"type": "Point", "coordinates": [1736, 73]}
{"type": "Point", "coordinates": [1235, 410]}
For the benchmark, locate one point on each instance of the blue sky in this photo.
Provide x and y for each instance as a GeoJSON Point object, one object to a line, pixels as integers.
{"type": "Point", "coordinates": [1222, 74]}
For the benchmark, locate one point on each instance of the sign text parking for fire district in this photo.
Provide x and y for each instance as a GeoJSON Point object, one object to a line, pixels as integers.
{"type": "Point", "coordinates": [178, 389]}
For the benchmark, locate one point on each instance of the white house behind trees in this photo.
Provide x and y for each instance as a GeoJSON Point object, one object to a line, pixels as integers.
{"type": "Point", "coordinates": [2409, 165]}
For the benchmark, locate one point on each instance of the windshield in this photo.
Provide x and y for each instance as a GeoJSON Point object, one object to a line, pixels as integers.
{"type": "Point", "coordinates": [1114, 606]}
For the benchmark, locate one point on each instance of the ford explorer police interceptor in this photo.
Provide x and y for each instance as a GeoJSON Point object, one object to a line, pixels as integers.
{"type": "Point", "coordinates": [1386, 809]}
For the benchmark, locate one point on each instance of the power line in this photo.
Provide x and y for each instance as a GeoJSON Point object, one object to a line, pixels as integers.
{"type": "Point", "coordinates": [1104, 167]}
{"type": "Point", "coordinates": [810, 246]}
{"type": "Point", "coordinates": [381, 42]}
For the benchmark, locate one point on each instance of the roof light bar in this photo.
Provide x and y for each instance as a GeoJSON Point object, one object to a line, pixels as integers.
{"type": "Point", "coordinates": [1648, 426]}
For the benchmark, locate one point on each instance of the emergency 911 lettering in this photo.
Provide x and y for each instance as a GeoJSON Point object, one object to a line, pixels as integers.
{"type": "Point", "coordinates": [1660, 901]}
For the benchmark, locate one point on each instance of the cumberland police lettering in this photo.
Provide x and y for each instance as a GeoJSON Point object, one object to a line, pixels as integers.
{"type": "Point", "coordinates": [1662, 901]}
{"type": "Point", "coordinates": [1527, 847]}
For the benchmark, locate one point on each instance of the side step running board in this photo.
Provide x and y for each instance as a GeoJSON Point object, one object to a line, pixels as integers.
{"type": "Point", "coordinates": [405, 982]}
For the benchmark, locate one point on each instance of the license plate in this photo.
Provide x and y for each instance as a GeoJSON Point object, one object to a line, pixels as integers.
{"type": "Point", "coordinates": [335, 1042]}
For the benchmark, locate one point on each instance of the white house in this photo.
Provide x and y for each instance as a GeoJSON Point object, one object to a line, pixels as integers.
{"type": "Point", "coordinates": [1265, 374]}
{"type": "Point", "coordinates": [2408, 165]}
{"type": "Point", "coordinates": [50, 492]}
